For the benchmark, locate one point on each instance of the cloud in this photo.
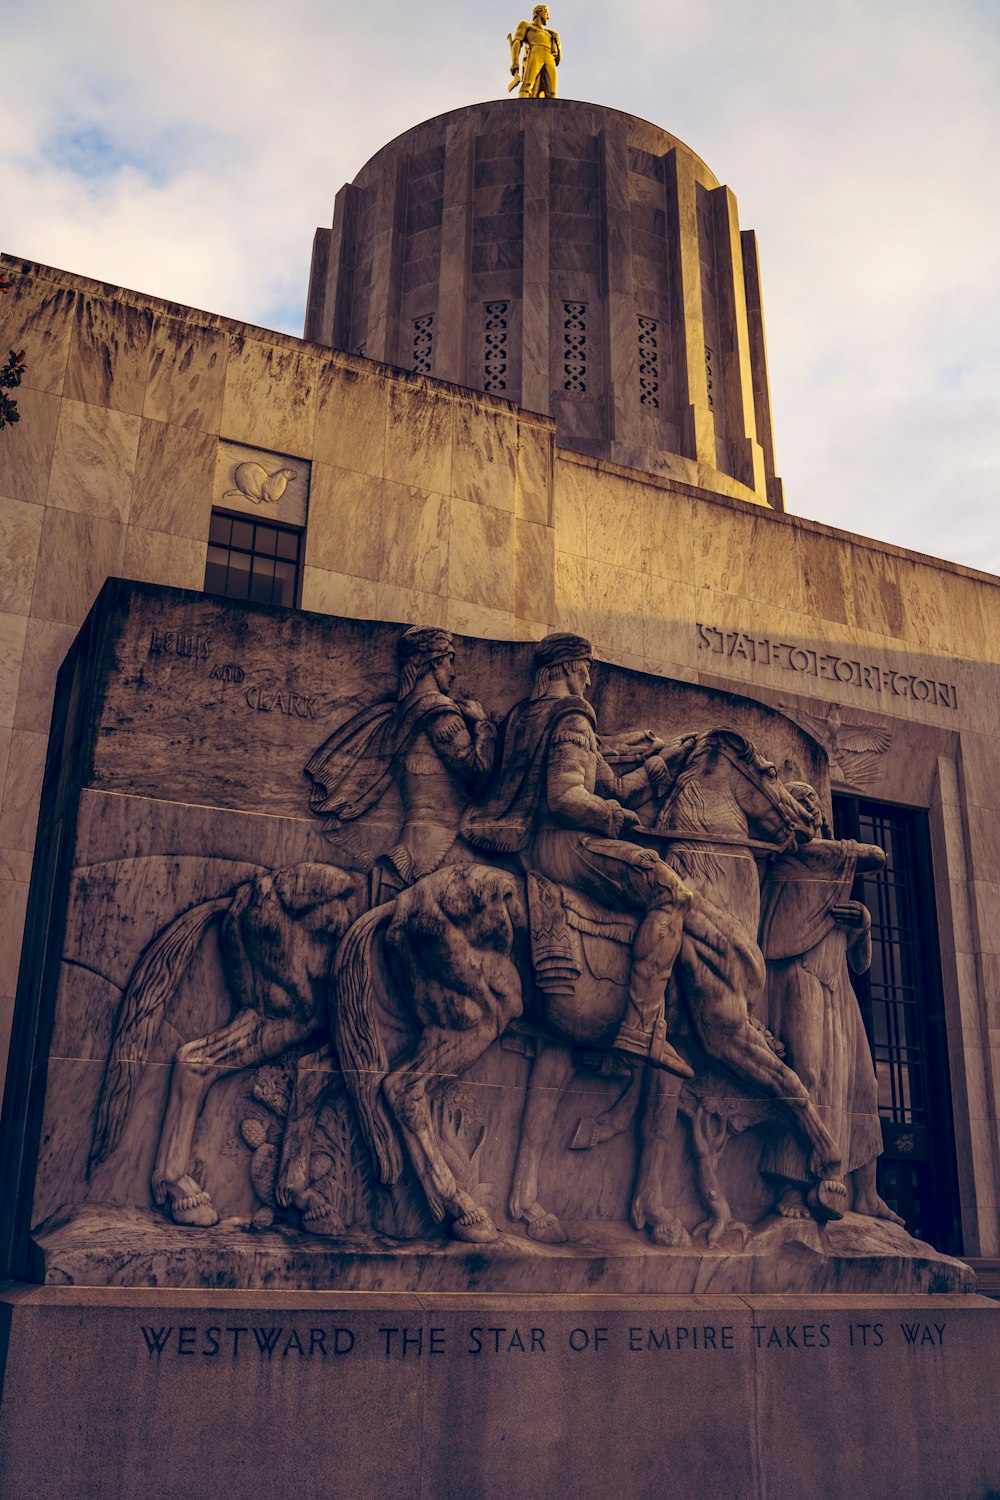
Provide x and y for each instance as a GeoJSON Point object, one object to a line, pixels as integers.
{"type": "Point", "coordinates": [190, 152]}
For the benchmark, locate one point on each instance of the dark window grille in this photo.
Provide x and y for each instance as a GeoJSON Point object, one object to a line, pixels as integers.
{"type": "Point", "coordinates": [575, 346]}
{"type": "Point", "coordinates": [649, 362]}
{"type": "Point", "coordinates": [254, 560]}
{"type": "Point", "coordinates": [902, 1005]}
{"type": "Point", "coordinates": [423, 343]}
{"type": "Point", "coordinates": [495, 346]}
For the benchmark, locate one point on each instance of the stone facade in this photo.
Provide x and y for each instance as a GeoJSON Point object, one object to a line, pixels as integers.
{"type": "Point", "coordinates": [427, 501]}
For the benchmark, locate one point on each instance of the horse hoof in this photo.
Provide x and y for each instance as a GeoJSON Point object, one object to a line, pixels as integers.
{"type": "Point", "coordinates": [671, 1234]}
{"type": "Point", "coordinates": [475, 1229]}
{"type": "Point", "coordinates": [323, 1221]}
{"type": "Point", "coordinates": [196, 1211]}
{"type": "Point", "coordinates": [547, 1229]}
{"type": "Point", "coordinates": [828, 1199]}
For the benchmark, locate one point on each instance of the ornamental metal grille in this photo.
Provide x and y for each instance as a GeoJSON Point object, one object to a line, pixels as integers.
{"type": "Point", "coordinates": [710, 376]}
{"type": "Point", "coordinates": [649, 363]}
{"type": "Point", "coordinates": [903, 1011]}
{"type": "Point", "coordinates": [495, 346]}
{"type": "Point", "coordinates": [423, 339]}
{"type": "Point", "coordinates": [575, 346]}
{"type": "Point", "coordinates": [254, 560]}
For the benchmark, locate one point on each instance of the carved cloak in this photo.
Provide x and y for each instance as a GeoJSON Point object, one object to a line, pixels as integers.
{"type": "Point", "coordinates": [354, 768]}
{"type": "Point", "coordinates": [506, 817]}
{"type": "Point", "coordinates": [812, 1007]}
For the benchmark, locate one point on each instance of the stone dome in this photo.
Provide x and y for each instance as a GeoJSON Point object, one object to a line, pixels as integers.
{"type": "Point", "coordinates": [577, 261]}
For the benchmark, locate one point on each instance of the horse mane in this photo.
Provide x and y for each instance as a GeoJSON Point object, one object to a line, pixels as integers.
{"type": "Point", "coordinates": [684, 808]}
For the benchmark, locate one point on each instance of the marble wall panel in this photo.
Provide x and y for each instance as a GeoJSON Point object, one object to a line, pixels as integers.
{"type": "Point", "coordinates": [535, 461]}
{"type": "Point", "coordinates": [530, 630]}
{"type": "Point", "coordinates": [668, 535]}
{"type": "Point", "coordinates": [27, 446]}
{"type": "Point", "coordinates": [5, 738]}
{"type": "Point", "coordinates": [614, 523]}
{"type": "Point", "coordinates": [484, 458]}
{"type": "Point", "coordinates": [571, 492]}
{"type": "Point", "coordinates": [351, 411]}
{"type": "Point", "coordinates": [345, 522]}
{"type": "Point", "coordinates": [76, 554]}
{"type": "Point", "coordinates": [410, 606]}
{"type": "Point", "coordinates": [158, 557]}
{"type": "Point", "coordinates": [986, 913]}
{"type": "Point", "coordinates": [481, 555]}
{"type": "Point", "coordinates": [668, 622]}
{"type": "Point", "coordinates": [419, 438]}
{"type": "Point", "coordinates": [962, 630]}
{"type": "Point", "coordinates": [22, 790]}
{"type": "Point", "coordinates": [35, 316]}
{"type": "Point", "coordinates": [467, 618]}
{"type": "Point", "coordinates": [93, 465]}
{"type": "Point", "coordinates": [20, 533]}
{"type": "Point", "coordinates": [984, 841]}
{"type": "Point", "coordinates": [988, 595]}
{"type": "Point", "coordinates": [13, 630]}
{"type": "Point", "coordinates": [534, 571]}
{"type": "Point", "coordinates": [187, 375]}
{"type": "Point", "coordinates": [980, 767]}
{"type": "Point", "coordinates": [826, 575]}
{"type": "Point", "coordinates": [742, 553]}
{"type": "Point", "coordinates": [875, 599]}
{"type": "Point", "coordinates": [45, 648]}
{"type": "Point", "coordinates": [173, 479]}
{"type": "Point", "coordinates": [109, 354]}
{"type": "Point", "coordinates": [270, 396]}
{"type": "Point", "coordinates": [416, 528]}
{"type": "Point", "coordinates": [13, 905]}
{"type": "Point", "coordinates": [989, 976]}
{"type": "Point", "coordinates": [614, 596]}
{"type": "Point", "coordinates": [572, 611]}
{"type": "Point", "coordinates": [339, 594]}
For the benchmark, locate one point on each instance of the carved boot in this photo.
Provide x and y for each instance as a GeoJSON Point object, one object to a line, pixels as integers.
{"type": "Point", "coordinates": [643, 1033]}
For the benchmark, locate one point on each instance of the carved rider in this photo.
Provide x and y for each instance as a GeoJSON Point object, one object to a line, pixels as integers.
{"type": "Point", "coordinates": [556, 802]}
{"type": "Point", "coordinates": [543, 53]}
{"type": "Point", "coordinates": [439, 750]}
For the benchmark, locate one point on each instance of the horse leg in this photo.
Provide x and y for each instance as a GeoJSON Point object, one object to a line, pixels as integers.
{"type": "Point", "coordinates": [550, 1074]}
{"type": "Point", "coordinates": [722, 974]}
{"type": "Point", "coordinates": [744, 1051]}
{"type": "Point", "coordinates": [245, 1040]}
{"type": "Point", "coordinates": [439, 1057]}
{"type": "Point", "coordinates": [293, 1189]}
{"type": "Point", "coordinates": [659, 1118]}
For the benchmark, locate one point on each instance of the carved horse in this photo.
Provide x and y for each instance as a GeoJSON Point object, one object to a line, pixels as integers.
{"type": "Point", "coordinates": [277, 937]}
{"type": "Point", "coordinates": [448, 954]}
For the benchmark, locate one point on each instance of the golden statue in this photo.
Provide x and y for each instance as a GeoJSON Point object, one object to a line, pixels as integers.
{"type": "Point", "coordinates": [542, 54]}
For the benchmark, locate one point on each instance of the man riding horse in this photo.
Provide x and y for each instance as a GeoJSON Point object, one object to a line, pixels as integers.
{"type": "Point", "coordinates": [556, 802]}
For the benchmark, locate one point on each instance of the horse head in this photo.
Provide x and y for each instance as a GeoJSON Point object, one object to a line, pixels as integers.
{"type": "Point", "coordinates": [727, 788]}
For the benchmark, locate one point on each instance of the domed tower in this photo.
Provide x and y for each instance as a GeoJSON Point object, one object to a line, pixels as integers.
{"type": "Point", "coordinates": [574, 259]}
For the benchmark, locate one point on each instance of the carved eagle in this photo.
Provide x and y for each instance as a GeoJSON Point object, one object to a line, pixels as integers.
{"type": "Point", "coordinates": [853, 745]}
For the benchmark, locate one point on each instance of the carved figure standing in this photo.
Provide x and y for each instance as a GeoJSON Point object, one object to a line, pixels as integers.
{"type": "Point", "coordinates": [438, 749]}
{"type": "Point", "coordinates": [542, 55]}
{"type": "Point", "coordinates": [557, 803]}
{"type": "Point", "coordinates": [810, 932]}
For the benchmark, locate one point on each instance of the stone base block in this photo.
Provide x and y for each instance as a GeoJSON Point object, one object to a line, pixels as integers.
{"type": "Point", "coordinates": [114, 1394]}
{"type": "Point", "coordinates": [102, 1245]}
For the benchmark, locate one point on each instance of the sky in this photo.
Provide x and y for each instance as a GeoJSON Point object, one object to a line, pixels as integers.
{"type": "Point", "coordinates": [190, 152]}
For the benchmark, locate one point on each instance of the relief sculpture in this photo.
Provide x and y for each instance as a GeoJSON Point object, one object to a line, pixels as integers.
{"type": "Point", "coordinates": [641, 933]}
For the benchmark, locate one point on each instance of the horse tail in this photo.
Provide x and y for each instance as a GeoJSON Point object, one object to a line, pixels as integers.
{"type": "Point", "coordinates": [153, 981]}
{"type": "Point", "coordinates": [358, 1040]}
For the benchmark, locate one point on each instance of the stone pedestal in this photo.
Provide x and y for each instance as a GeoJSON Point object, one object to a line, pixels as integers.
{"type": "Point", "coordinates": [364, 1396]}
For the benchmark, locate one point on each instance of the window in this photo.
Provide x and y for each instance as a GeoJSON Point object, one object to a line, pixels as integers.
{"type": "Point", "coordinates": [649, 362]}
{"type": "Point", "coordinates": [254, 560]}
{"type": "Point", "coordinates": [901, 1002]}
